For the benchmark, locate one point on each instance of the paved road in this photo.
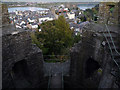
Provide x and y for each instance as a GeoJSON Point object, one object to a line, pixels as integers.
{"type": "Point", "coordinates": [56, 81]}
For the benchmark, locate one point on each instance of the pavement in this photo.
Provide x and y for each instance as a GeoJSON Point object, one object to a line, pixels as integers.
{"type": "Point", "coordinates": [56, 81]}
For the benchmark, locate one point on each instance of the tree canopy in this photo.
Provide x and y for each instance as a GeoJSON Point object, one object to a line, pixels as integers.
{"type": "Point", "coordinates": [54, 36]}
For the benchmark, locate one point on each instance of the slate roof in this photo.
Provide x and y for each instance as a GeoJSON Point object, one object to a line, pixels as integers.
{"type": "Point", "coordinates": [74, 25]}
{"type": "Point", "coordinates": [34, 24]}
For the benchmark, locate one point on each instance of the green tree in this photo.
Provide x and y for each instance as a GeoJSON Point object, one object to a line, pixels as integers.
{"type": "Point", "coordinates": [54, 37]}
{"type": "Point", "coordinates": [35, 40]}
{"type": "Point", "coordinates": [65, 32]}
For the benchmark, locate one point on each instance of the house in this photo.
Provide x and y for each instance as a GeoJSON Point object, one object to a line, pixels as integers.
{"type": "Point", "coordinates": [24, 26]}
{"type": "Point", "coordinates": [45, 18]}
{"type": "Point", "coordinates": [75, 27]}
{"type": "Point", "coordinates": [80, 12]}
{"type": "Point", "coordinates": [71, 15]}
{"type": "Point", "coordinates": [75, 11]}
{"type": "Point", "coordinates": [12, 15]}
{"type": "Point", "coordinates": [11, 21]}
{"type": "Point", "coordinates": [64, 14]}
{"type": "Point", "coordinates": [29, 26]}
{"type": "Point", "coordinates": [18, 26]}
{"type": "Point", "coordinates": [66, 9]}
{"type": "Point", "coordinates": [62, 6]}
{"type": "Point", "coordinates": [34, 25]}
{"type": "Point", "coordinates": [23, 22]}
{"type": "Point", "coordinates": [31, 20]}
{"type": "Point", "coordinates": [16, 12]}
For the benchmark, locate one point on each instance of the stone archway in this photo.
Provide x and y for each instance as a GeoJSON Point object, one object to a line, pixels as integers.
{"type": "Point", "coordinates": [21, 74]}
{"type": "Point", "coordinates": [90, 66]}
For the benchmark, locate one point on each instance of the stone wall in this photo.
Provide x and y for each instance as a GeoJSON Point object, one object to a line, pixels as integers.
{"type": "Point", "coordinates": [107, 80]}
{"type": "Point", "coordinates": [5, 14]}
{"type": "Point", "coordinates": [17, 48]}
{"type": "Point", "coordinates": [119, 13]}
{"type": "Point", "coordinates": [91, 47]}
{"type": "Point", "coordinates": [107, 15]}
{"type": "Point", "coordinates": [55, 68]}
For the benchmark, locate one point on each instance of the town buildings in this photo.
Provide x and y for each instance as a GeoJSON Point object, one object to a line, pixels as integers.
{"type": "Point", "coordinates": [31, 19]}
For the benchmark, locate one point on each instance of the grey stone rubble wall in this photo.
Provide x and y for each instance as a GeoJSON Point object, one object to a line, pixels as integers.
{"type": "Point", "coordinates": [89, 46]}
{"type": "Point", "coordinates": [0, 47]}
{"type": "Point", "coordinates": [5, 14]}
{"type": "Point", "coordinates": [79, 55]}
{"type": "Point", "coordinates": [19, 47]}
{"type": "Point", "coordinates": [85, 49]}
{"type": "Point", "coordinates": [0, 60]}
{"type": "Point", "coordinates": [107, 80]}
{"type": "Point", "coordinates": [54, 68]}
{"type": "Point", "coordinates": [104, 13]}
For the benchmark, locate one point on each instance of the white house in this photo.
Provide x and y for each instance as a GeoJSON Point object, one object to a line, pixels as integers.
{"type": "Point", "coordinates": [80, 12]}
{"type": "Point", "coordinates": [16, 12]}
{"type": "Point", "coordinates": [31, 20]}
{"type": "Point", "coordinates": [45, 19]}
{"type": "Point", "coordinates": [15, 32]}
{"type": "Point", "coordinates": [34, 26]}
{"type": "Point", "coordinates": [71, 15]}
{"type": "Point", "coordinates": [23, 22]}
{"type": "Point", "coordinates": [62, 6]}
{"type": "Point", "coordinates": [15, 20]}
{"type": "Point", "coordinates": [71, 28]}
{"type": "Point", "coordinates": [77, 29]}
{"type": "Point", "coordinates": [66, 9]}
{"type": "Point", "coordinates": [17, 26]}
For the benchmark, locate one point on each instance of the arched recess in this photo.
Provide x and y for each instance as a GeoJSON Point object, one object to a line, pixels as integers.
{"type": "Point", "coordinates": [90, 67]}
{"type": "Point", "coordinates": [21, 75]}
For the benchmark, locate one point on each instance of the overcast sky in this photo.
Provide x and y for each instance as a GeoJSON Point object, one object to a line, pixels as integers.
{"type": "Point", "coordinates": [50, 0]}
{"type": "Point", "coordinates": [56, 0]}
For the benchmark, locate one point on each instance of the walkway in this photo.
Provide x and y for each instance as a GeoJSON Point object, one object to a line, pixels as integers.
{"type": "Point", "coordinates": [58, 67]}
{"type": "Point", "coordinates": [56, 81]}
